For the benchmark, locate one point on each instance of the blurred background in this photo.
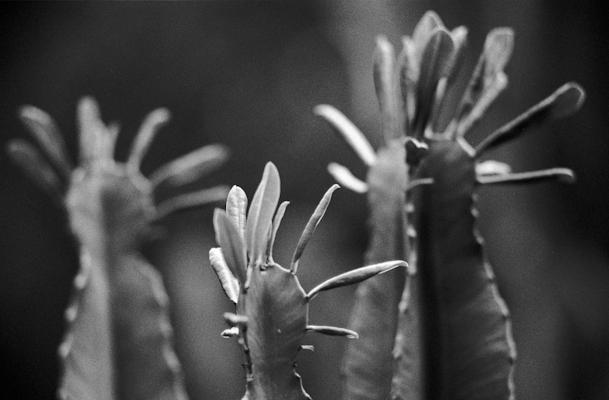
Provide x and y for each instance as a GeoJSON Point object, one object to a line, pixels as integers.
{"type": "Point", "coordinates": [247, 74]}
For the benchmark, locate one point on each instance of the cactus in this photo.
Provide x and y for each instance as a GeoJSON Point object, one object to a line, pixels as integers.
{"type": "Point", "coordinates": [271, 318]}
{"type": "Point", "coordinates": [454, 336]}
{"type": "Point", "coordinates": [118, 343]}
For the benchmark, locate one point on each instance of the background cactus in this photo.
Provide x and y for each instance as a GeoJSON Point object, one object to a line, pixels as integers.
{"type": "Point", "coordinates": [118, 343]}
{"type": "Point", "coordinates": [454, 339]}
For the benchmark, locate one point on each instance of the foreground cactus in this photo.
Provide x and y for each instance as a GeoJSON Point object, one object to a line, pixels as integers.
{"type": "Point", "coordinates": [118, 343]}
{"type": "Point", "coordinates": [454, 337]}
{"type": "Point", "coordinates": [271, 317]}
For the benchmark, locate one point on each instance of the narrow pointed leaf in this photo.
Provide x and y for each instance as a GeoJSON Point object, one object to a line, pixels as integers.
{"type": "Point", "coordinates": [236, 208]}
{"type": "Point", "coordinates": [35, 167]}
{"type": "Point", "coordinates": [229, 283]}
{"type": "Point", "coordinates": [492, 168]}
{"type": "Point", "coordinates": [563, 102]}
{"type": "Point", "coordinates": [560, 174]}
{"type": "Point", "coordinates": [187, 201]}
{"type": "Point", "coordinates": [487, 80]}
{"type": "Point", "coordinates": [333, 331]}
{"type": "Point", "coordinates": [344, 177]}
{"type": "Point", "coordinates": [230, 332]}
{"type": "Point", "coordinates": [153, 122]}
{"type": "Point", "coordinates": [45, 132]}
{"type": "Point", "coordinates": [91, 130]}
{"type": "Point", "coordinates": [276, 223]}
{"type": "Point", "coordinates": [356, 276]}
{"type": "Point", "coordinates": [459, 36]}
{"type": "Point", "coordinates": [191, 166]}
{"type": "Point", "coordinates": [236, 320]}
{"type": "Point", "coordinates": [486, 100]}
{"type": "Point", "coordinates": [447, 83]}
{"type": "Point", "coordinates": [108, 144]}
{"type": "Point", "coordinates": [423, 31]}
{"type": "Point", "coordinates": [349, 132]}
{"type": "Point", "coordinates": [311, 226]}
{"type": "Point", "coordinates": [435, 64]}
{"type": "Point", "coordinates": [233, 249]}
{"type": "Point", "coordinates": [385, 83]}
{"type": "Point", "coordinates": [260, 215]}
{"type": "Point", "coordinates": [408, 74]}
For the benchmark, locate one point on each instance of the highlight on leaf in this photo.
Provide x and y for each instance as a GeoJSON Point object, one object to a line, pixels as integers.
{"type": "Point", "coordinates": [236, 208]}
{"type": "Point", "coordinates": [228, 281]}
{"type": "Point", "coordinates": [260, 214]}
{"type": "Point", "coordinates": [233, 248]}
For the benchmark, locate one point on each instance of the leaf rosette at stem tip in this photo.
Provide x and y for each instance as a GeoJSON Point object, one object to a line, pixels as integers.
{"type": "Point", "coordinates": [271, 317]}
{"type": "Point", "coordinates": [118, 343]}
{"type": "Point", "coordinates": [443, 173]}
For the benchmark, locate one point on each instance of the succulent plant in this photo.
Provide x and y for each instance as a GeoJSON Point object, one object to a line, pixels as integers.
{"type": "Point", "coordinates": [271, 318]}
{"type": "Point", "coordinates": [454, 337]}
{"type": "Point", "coordinates": [118, 343]}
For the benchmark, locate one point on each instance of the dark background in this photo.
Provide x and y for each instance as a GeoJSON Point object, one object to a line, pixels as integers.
{"type": "Point", "coordinates": [247, 74]}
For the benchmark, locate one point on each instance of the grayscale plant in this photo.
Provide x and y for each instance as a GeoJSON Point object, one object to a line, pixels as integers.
{"type": "Point", "coordinates": [118, 343]}
{"type": "Point", "coordinates": [451, 338]}
{"type": "Point", "coordinates": [271, 318]}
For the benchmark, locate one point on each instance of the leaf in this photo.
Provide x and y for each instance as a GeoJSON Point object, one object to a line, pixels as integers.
{"type": "Point", "coordinates": [311, 226]}
{"type": "Point", "coordinates": [145, 135]}
{"type": "Point", "coordinates": [260, 215]}
{"type": "Point", "coordinates": [385, 84]}
{"type": "Point", "coordinates": [488, 79]}
{"type": "Point", "coordinates": [563, 102]}
{"type": "Point", "coordinates": [91, 130]}
{"type": "Point", "coordinates": [408, 74]}
{"type": "Point", "coordinates": [45, 132]}
{"type": "Point", "coordinates": [355, 276]}
{"type": "Point", "coordinates": [228, 281]}
{"type": "Point", "coordinates": [191, 200]}
{"type": "Point", "coordinates": [492, 168]}
{"type": "Point", "coordinates": [333, 331]}
{"type": "Point", "coordinates": [422, 33]}
{"type": "Point", "coordinates": [344, 177]}
{"type": "Point", "coordinates": [35, 167]}
{"type": "Point", "coordinates": [232, 246]}
{"type": "Point", "coordinates": [276, 223]}
{"type": "Point", "coordinates": [190, 167]}
{"type": "Point", "coordinates": [435, 64]}
{"type": "Point", "coordinates": [561, 174]}
{"type": "Point", "coordinates": [236, 208]}
{"type": "Point", "coordinates": [349, 132]}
